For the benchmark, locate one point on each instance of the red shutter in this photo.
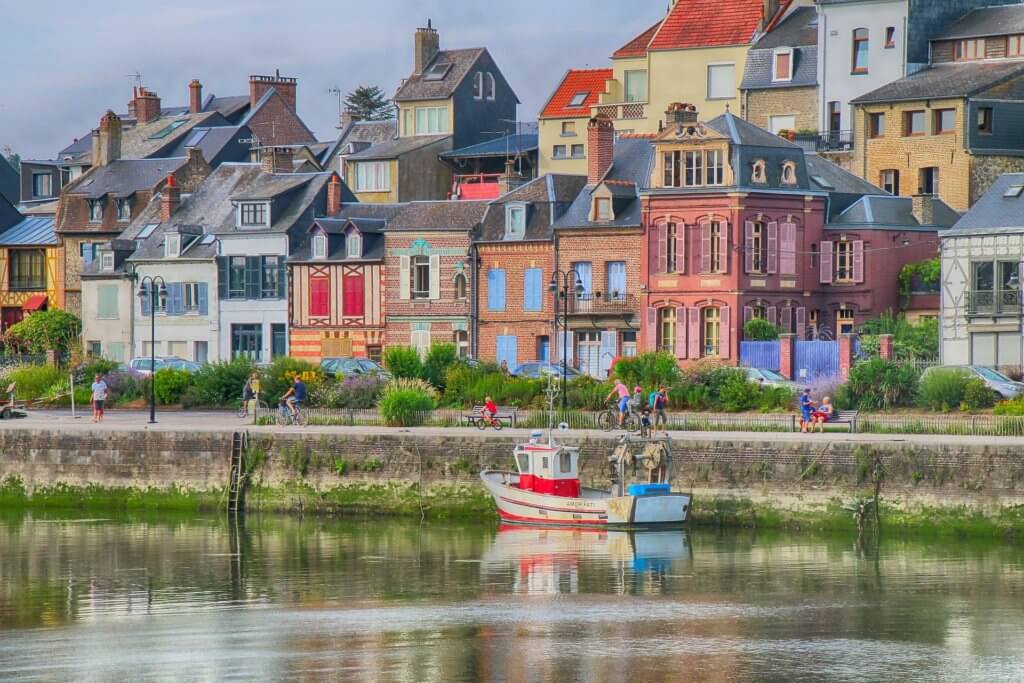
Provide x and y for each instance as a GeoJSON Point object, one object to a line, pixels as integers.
{"type": "Point", "coordinates": [319, 297]}
{"type": "Point", "coordinates": [724, 333]}
{"type": "Point", "coordinates": [748, 246]}
{"type": "Point", "coordinates": [858, 261]}
{"type": "Point", "coordinates": [826, 263]}
{"type": "Point", "coordinates": [773, 315]}
{"type": "Point", "coordinates": [801, 323]}
{"type": "Point", "coordinates": [680, 247]}
{"type": "Point", "coordinates": [787, 249]}
{"type": "Point", "coordinates": [773, 247]}
{"type": "Point", "coordinates": [354, 296]}
{"type": "Point", "coordinates": [705, 247]}
{"type": "Point", "coordinates": [693, 332]}
{"type": "Point", "coordinates": [663, 248]}
{"type": "Point", "coordinates": [651, 336]}
{"type": "Point", "coordinates": [681, 332]}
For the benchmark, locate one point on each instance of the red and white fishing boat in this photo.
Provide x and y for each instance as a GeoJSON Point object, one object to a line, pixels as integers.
{"type": "Point", "coordinates": [545, 488]}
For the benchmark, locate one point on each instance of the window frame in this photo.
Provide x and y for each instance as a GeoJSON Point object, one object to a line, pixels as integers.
{"type": "Point", "coordinates": [715, 257]}
{"type": "Point", "coordinates": [490, 87]}
{"type": "Point", "coordinates": [35, 279]}
{"type": "Point", "coordinates": [515, 220]}
{"type": "Point", "coordinates": [984, 120]}
{"type": "Point", "coordinates": [560, 151]}
{"type": "Point", "coordinates": [788, 167]}
{"type": "Point", "coordinates": [842, 262]}
{"type": "Point", "coordinates": [419, 268]}
{"type": "Point", "coordinates": [759, 247]}
{"type": "Point", "coordinates": [577, 151]}
{"type": "Point", "coordinates": [786, 52]}
{"type": "Point", "coordinates": [860, 35]}
{"type": "Point", "coordinates": [909, 117]}
{"type": "Point", "coordinates": [568, 129]}
{"type": "Point", "coordinates": [671, 247]}
{"type": "Point", "coordinates": [353, 244]}
{"type": "Point", "coordinates": [603, 209]}
{"type": "Point", "coordinates": [172, 245]}
{"type": "Point", "coordinates": [895, 178]}
{"type": "Point", "coordinates": [937, 116]}
{"type": "Point", "coordinates": [627, 77]}
{"type": "Point", "coordinates": [107, 261]}
{"type": "Point", "coordinates": [721, 65]}
{"type": "Point", "coordinates": [378, 173]}
{"type": "Point", "coordinates": [711, 332]}
{"type": "Point", "coordinates": [933, 172]}
{"type": "Point", "coordinates": [440, 124]}
{"type": "Point", "coordinates": [759, 172]}
{"type": "Point", "coordinates": [190, 290]}
{"type": "Point", "coordinates": [270, 265]}
{"type": "Point", "coordinates": [253, 214]}
{"type": "Point", "coordinates": [890, 37]}
{"type": "Point", "coordinates": [668, 329]}
{"type": "Point", "coordinates": [579, 99]}
{"type": "Point", "coordinates": [40, 176]}
{"type": "Point", "coordinates": [236, 284]}
{"type": "Point", "coordinates": [1015, 45]}
{"type": "Point", "coordinates": [876, 125]}
{"type": "Point", "coordinates": [124, 210]}
{"type": "Point", "coordinates": [461, 286]}
{"type": "Point", "coordinates": [318, 246]}
{"type": "Point", "coordinates": [95, 210]}
{"type": "Point", "coordinates": [969, 50]}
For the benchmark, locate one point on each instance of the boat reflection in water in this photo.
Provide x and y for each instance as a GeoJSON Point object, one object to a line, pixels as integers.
{"type": "Point", "coordinates": [549, 560]}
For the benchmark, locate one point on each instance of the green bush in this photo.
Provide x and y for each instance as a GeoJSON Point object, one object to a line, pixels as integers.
{"type": "Point", "coordinates": [943, 388]}
{"type": "Point", "coordinates": [59, 394]}
{"type": "Point", "coordinates": [1011, 408]}
{"type": "Point", "coordinates": [88, 370]}
{"type": "Point", "coordinates": [977, 395]}
{"type": "Point", "coordinates": [919, 340]}
{"type": "Point", "coordinates": [277, 378]}
{"type": "Point", "coordinates": [880, 384]}
{"type": "Point", "coordinates": [403, 362]}
{"type": "Point", "coordinates": [405, 402]}
{"type": "Point", "coordinates": [45, 331]}
{"type": "Point", "coordinates": [219, 384]}
{"type": "Point", "coordinates": [435, 367]}
{"type": "Point", "coordinates": [170, 385]}
{"type": "Point", "coordinates": [737, 394]}
{"type": "Point", "coordinates": [776, 398]}
{"type": "Point", "coordinates": [758, 329]}
{"type": "Point", "coordinates": [649, 370]}
{"type": "Point", "coordinates": [354, 391]}
{"type": "Point", "coordinates": [586, 393]}
{"type": "Point", "coordinates": [31, 381]}
{"type": "Point", "coordinates": [466, 386]}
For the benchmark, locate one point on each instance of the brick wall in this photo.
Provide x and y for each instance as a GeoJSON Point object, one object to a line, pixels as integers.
{"type": "Point", "coordinates": [277, 124]}
{"type": "Point", "coordinates": [599, 247]}
{"type": "Point", "coordinates": [514, 258]}
{"type": "Point", "coordinates": [799, 102]}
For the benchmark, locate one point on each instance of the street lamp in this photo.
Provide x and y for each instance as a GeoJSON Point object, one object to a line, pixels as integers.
{"type": "Point", "coordinates": [563, 293]}
{"type": "Point", "coordinates": [148, 287]}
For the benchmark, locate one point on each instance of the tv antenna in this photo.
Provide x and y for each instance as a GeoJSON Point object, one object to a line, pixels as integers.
{"type": "Point", "coordinates": [341, 104]}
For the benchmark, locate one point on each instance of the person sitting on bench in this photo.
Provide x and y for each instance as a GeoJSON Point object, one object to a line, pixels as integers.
{"type": "Point", "coordinates": [823, 414]}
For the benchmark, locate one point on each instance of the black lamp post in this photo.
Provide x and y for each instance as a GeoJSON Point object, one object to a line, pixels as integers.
{"type": "Point", "coordinates": [152, 287]}
{"type": "Point", "coordinates": [563, 294]}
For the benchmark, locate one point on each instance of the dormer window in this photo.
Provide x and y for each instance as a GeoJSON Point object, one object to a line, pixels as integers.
{"type": "Point", "coordinates": [172, 245]}
{"type": "Point", "coordinates": [788, 173]}
{"type": "Point", "coordinates": [319, 246]}
{"type": "Point", "coordinates": [602, 209]}
{"type": "Point", "coordinates": [579, 98]}
{"type": "Point", "coordinates": [124, 210]}
{"type": "Point", "coordinates": [107, 261]}
{"type": "Point", "coordinates": [515, 221]}
{"type": "Point", "coordinates": [95, 210]}
{"type": "Point", "coordinates": [694, 169]}
{"type": "Point", "coordinates": [354, 245]}
{"type": "Point", "coordinates": [759, 175]}
{"type": "Point", "coordinates": [253, 215]}
{"type": "Point", "coordinates": [489, 86]}
{"type": "Point", "coordinates": [782, 67]}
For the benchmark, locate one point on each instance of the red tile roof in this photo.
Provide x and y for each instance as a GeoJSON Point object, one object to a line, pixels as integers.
{"type": "Point", "coordinates": [590, 81]}
{"type": "Point", "coordinates": [708, 23]}
{"type": "Point", "coordinates": [638, 46]}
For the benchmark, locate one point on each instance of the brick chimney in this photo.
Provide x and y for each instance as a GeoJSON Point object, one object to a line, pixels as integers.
{"type": "Point", "coordinates": [923, 208]}
{"type": "Point", "coordinates": [348, 117]}
{"type": "Point", "coordinates": [426, 44]}
{"type": "Point", "coordinates": [106, 140]}
{"type": "Point", "coordinates": [195, 96]}
{"type": "Point", "coordinates": [259, 85]}
{"type": "Point", "coordinates": [278, 160]}
{"type": "Point", "coordinates": [600, 147]}
{"type": "Point", "coordinates": [131, 103]}
{"type": "Point", "coordinates": [147, 105]}
{"type": "Point", "coordinates": [334, 196]}
{"type": "Point", "coordinates": [170, 200]}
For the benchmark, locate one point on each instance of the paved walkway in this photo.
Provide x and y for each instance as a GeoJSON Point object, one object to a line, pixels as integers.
{"type": "Point", "coordinates": [224, 421]}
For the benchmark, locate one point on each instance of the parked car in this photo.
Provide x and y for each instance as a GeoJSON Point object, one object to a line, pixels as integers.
{"type": "Point", "coordinates": [539, 369]}
{"type": "Point", "coordinates": [343, 367]}
{"type": "Point", "coordinates": [143, 367]}
{"type": "Point", "coordinates": [1003, 386]}
{"type": "Point", "coordinates": [769, 378]}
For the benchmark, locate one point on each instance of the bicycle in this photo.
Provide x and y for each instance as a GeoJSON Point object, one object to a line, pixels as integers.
{"type": "Point", "coordinates": [483, 423]}
{"type": "Point", "coordinates": [259, 405]}
{"type": "Point", "coordinates": [285, 416]}
{"type": "Point", "coordinates": [608, 419]}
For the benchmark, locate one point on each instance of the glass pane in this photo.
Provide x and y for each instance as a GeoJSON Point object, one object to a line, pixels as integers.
{"type": "Point", "coordinates": [983, 277]}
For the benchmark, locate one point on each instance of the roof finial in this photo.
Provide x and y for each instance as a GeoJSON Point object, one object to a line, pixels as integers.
{"type": "Point", "coordinates": [726, 107]}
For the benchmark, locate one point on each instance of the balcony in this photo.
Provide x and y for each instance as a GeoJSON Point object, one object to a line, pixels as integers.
{"type": "Point", "coordinates": [597, 303]}
{"type": "Point", "coordinates": [625, 111]}
{"type": "Point", "coordinates": [993, 303]}
{"type": "Point", "coordinates": [833, 141]}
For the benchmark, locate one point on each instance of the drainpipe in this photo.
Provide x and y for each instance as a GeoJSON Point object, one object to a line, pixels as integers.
{"type": "Point", "coordinates": [474, 304]}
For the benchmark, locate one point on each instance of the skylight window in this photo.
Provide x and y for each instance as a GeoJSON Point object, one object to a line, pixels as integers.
{"type": "Point", "coordinates": [821, 182]}
{"type": "Point", "coordinates": [196, 137]}
{"type": "Point", "coordinates": [208, 239]}
{"type": "Point", "coordinates": [147, 231]}
{"type": "Point", "coordinates": [170, 128]}
{"type": "Point", "coordinates": [1013, 191]}
{"type": "Point", "coordinates": [578, 99]}
{"type": "Point", "coordinates": [437, 72]}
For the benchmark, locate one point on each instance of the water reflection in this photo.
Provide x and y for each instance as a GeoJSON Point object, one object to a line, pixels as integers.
{"type": "Point", "coordinates": [278, 598]}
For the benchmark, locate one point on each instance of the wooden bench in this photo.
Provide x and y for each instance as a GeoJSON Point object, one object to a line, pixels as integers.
{"type": "Point", "coordinates": [847, 417]}
{"type": "Point", "coordinates": [509, 414]}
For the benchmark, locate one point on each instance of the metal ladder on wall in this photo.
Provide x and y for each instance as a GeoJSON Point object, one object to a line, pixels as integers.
{"type": "Point", "coordinates": [236, 478]}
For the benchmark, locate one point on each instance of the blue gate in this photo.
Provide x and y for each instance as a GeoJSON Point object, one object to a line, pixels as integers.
{"type": "Point", "coordinates": [815, 359]}
{"type": "Point", "coordinates": [763, 355]}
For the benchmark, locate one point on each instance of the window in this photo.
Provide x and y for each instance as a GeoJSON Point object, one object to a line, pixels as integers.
{"type": "Point", "coordinates": [844, 261]}
{"type": "Point", "coordinates": [890, 181]}
{"type": "Point", "coordinates": [671, 251]}
{"type": "Point", "coordinates": [715, 242]}
{"type": "Point", "coordinates": [985, 120]}
{"type": "Point", "coordinates": [515, 221]}
{"type": "Point", "coordinates": [844, 321]}
{"type": "Point", "coordinates": [721, 81]}
{"type": "Point", "coordinates": [788, 173]}
{"type": "Point", "coordinates": [461, 339]}
{"type": "Point", "coordinates": [945, 121]}
{"type": "Point", "coordinates": [437, 72]}
{"type": "Point", "coordinates": [758, 247]}
{"type": "Point", "coordinates": [247, 342]}
{"type": "Point", "coordinates": [577, 151]}
{"type": "Point", "coordinates": [236, 277]}
{"type": "Point", "coordinates": [94, 348]}
{"type": "Point", "coordinates": [124, 210]}
{"type": "Point", "coordinates": [319, 297]}
{"type": "Point", "coordinates": [420, 272]}
{"type": "Point", "coordinates": [602, 209]}
{"type": "Point", "coordinates": [694, 169]}
{"type": "Point", "coordinates": [616, 280]}
{"type": "Point", "coordinates": [489, 86]}
{"type": "Point", "coordinates": [272, 268]}
{"type": "Point", "coordinates": [628, 343]}
{"type": "Point", "coordinates": [87, 250]}
{"type": "Point", "coordinates": [579, 99]}
{"type": "Point", "coordinates": [759, 175]}
{"type": "Point", "coordinates": [715, 165]}
{"type": "Point", "coordinates": [42, 184]}
{"type": "Point", "coordinates": [876, 125]}
{"type": "Point", "coordinates": [478, 85]}
{"type": "Point", "coordinates": [667, 330]}
{"type": "Point", "coordinates": [431, 120]}
{"type": "Point", "coordinates": [860, 51]}
{"type": "Point", "coordinates": [319, 246]}
{"type": "Point", "coordinates": [172, 245]}
{"type": "Point", "coordinates": [253, 214]}
{"type": "Point", "coordinates": [353, 295]}
{"type": "Point", "coordinates": [783, 69]}
{"type": "Point", "coordinates": [407, 124]}
{"type": "Point", "coordinates": [496, 289]}
{"type": "Point", "coordinates": [712, 318]}
{"type": "Point", "coordinates": [1015, 46]}
{"type": "Point", "coordinates": [146, 231]}
{"type": "Point", "coordinates": [973, 48]}
{"type": "Point", "coordinates": [890, 37]}
{"type": "Point", "coordinates": [913, 123]}
{"type": "Point", "coordinates": [693, 173]}
{"type": "Point", "coordinates": [533, 289]}
{"type": "Point", "coordinates": [95, 210]}
{"type": "Point", "coordinates": [353, 245]}
{"type": "Point", "coordinates": [190, 296]}
{"type": "Point", "coordinates": [568, 129]}
{"type": "Point", "coordinates": [929, 180]}
{"type": "Point", "coordinates": [559, 151]}
{"type": "Point", "coordinates": [106, 306]}
{"type": "Point", "coordinates": [460, 286]}
{"type": "Point", "coordinates": [835, 117]}
{"type": "Point", "coordinates": [636, 85]}
{"type": "Point", "coordinates": [782, 122]}
{"type": "Point", "coordinates": [373, 176]}
{"type": "Point", "coordinates": [278, 340]}
{"type": "Point", "coordinates": [167, 130]}
{"type": "Point", "coordinates": [108, 261]}
{"type": "Point", "coordinates": [564, 462]}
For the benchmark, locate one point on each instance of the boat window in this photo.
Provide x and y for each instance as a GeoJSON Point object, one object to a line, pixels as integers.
{"type": "Point", "coordinates": [544, 463]}
{"type": "Point", "coordinates": [565, 462]}
{"type": "Point", "coordinates": [524, 463]}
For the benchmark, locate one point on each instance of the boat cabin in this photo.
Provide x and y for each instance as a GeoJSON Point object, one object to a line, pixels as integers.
{"type": "Point", "coordinates": [548, 468]}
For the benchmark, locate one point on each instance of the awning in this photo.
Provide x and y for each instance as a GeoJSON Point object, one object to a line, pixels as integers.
{"type": "Point", "coordinates": [34, 302]}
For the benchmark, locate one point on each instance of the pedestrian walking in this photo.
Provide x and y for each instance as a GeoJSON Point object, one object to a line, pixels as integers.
{"type": "Point", "coordinates": [99, 395]}
{"type": "Point", "coordinates": [660, 403]}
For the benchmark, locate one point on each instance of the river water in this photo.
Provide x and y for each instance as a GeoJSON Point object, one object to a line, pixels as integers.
{"type": "Point", "coordinates": [199, 598]}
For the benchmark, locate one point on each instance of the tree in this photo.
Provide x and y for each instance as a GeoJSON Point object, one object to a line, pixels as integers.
{"type": "Point", "coordinates": [758, 329]}
{"type": "Point", "coordinates": [13, 158]}
{"type": "Point", "coordinates": [44, 331]}
{"type": "Point", "coordinates": [368, 103]}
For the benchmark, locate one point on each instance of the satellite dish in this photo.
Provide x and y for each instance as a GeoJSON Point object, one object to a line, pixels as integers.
{"type": "Point", "coordinates": [563, 426]}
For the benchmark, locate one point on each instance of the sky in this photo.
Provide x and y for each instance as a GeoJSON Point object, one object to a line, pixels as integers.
{"type": "Point", "coordinates": [68, 61]}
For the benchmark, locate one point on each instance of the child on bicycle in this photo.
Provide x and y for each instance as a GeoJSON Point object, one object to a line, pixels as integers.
{"type": "Point", "coordinates": [489, 410]}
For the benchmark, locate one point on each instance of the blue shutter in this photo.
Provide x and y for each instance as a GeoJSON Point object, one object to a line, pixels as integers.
{"type": "Point", "coordinates": [532, 290]}
{"type": "Point", "coordinates": [508, 350]}
{"type": "Point", "coordinates": [496, 289]}
{"type": "Point", "coordinates": [616, 279]}
{"type": "Point", "coordinates": [222, 277]}
{"type": "Point", "coordinates": [204, 299]}
{"type": "Point", "coordinates": [175, 298]}
{"type": "Point", "coordinates": [584, 272]}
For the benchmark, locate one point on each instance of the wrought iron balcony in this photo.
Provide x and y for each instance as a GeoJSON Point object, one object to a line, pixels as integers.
{"type": "Point", "coordinates": [598, 303]}
{"type": "Point", "coordinates": [622, 110]}
{"type": "Point", "coordinates": [833, 141]}
{"type": "Point", "coordinates": [999, 302]}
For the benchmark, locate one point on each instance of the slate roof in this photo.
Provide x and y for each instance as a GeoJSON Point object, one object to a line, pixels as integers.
{"type": "Point", "coordinates": [416, 87]}
{"type": "Point", "coordinates": [546, 197]}
{"type": "Point", "coordinates": [359, 136]}
{"type": "Point", "coordinates": [10, 182]}
{"type": "Point", "coordinates": [226, 106]}
{"type": "Point", "coordinates": [742, 132]}
{"type": "Point", "coordinates": [758, 72]}
{"type": "Point", "coordinates": [370, 218]}
{"type": "Point", "coordinates": [797, 29]}
{"type": "Point", "coordinates": [31, 231]}
{"type": "Point", "coordinates": [959, 79]}
{"type": "Point", "coordinates": [124, 177]}
{"type": "Point", "coordinates": [838, 178]}
{"type": "Point", "coordinates": [393, 149]}
{"type": "Point", "coordinates": [637, 47]}
{"type": "Point", "coordinates": [632, 163]}
{"type": "Point", "coordinates": [498, 147]}
{"type": "Point", "coordinates": [888, 212]}
{"type": "Point", "coordinates": [994, 213]}
{"type": "Point", "coordinates": [590, 81]}
{"type": "Point", "coordinates": [8, 214]}
{"type": "Point", "coordinates": [217, 143]}
{"type": "Point", "coordinates": [987, 21]}
{"type": "Point", "coordinates": [708, 23]}
{"type": "Point", "coordinates": [450, 215]}
{"type": "Point", "coordinates": [269, 186]}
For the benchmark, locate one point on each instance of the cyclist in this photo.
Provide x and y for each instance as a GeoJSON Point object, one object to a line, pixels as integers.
{"type": "Point", "coordinates": [623, 403]}
{"type": "Point", "coordinates": [488, 411]}
{"type": "Point", "coordinates": [295, 396]}
{"type": "Point", "coordinates": [251, 391]}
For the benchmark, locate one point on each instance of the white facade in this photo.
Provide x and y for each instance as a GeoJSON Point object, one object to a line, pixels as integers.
{"type": "Point", "coordinates": [242, 316]}
{"type": "Point", "coordinates": [838, 82]}
{"type": "Point", "coordinates": [106, 330]}
{"type": "Point", "coordinates": [191, 335]}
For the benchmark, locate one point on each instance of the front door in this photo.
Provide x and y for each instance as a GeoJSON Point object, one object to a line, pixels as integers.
{"type": "Point", "coordinates": [247, 342]}
{"type": "Point", "coordinates": [279, 340]}
{"type": "Point", "coordinates": [544, 348]}
{"type": "Point", "coordinates": [589, 352]}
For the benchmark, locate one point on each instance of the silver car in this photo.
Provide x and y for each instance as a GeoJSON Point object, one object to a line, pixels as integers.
{"type": "Point", "coordinates": [768, 378]}
{"type": "Point", "coordinates": [1003, 386]}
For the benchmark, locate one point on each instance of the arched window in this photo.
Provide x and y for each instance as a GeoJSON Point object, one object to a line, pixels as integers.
{"type": "Point", "coordinates": [788, 173]}
{"type": "Point", "coordinates": [353, 245]}
{"type": "Point", "coordinates": [711, 331]}
{"type": "Point", "coordinates": [478, 85]}
{"type": "Point", "coordinates": [759, 175]}
{"type": "Point", "coordinates": [489, 85]}
{"type": "Point", "coordinates": [667, 329]}
{"type": "Point", "coordinates": [460, 286]}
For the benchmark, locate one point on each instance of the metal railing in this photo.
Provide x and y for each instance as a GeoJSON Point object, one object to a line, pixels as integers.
{"type": "Point", "coordinates": [622, 110]}
{"type": "Point", "coordinates": [598, 303]}
{"type": "Point", "coordinates": [833, 141]}
{"type": "Point", "coordinates": [993, 302]}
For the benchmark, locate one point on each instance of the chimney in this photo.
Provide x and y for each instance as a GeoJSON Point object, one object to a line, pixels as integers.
{"type": "Point", "coordinates": [147, 105]}
{"type": "Point", "coordinates": [426, 44]}
{"type": "Point", "coordinates": [277, 160]}
{"type": "Point", "coordinates": [923, 208]}
{"type": "Point", "coordinates": [600, 147]}
{"type": "Point", "coordinates": [681, 114]}
{"type": "Point", "coordinates": [348, 117]}
{"type": "Point", "coordinates": [107, 141]}
{"type": "Point", "coordinates": [334, 196]}
{"type": "Point", "coordinates": [259, 85]}
{"type": "Point", "coordinates": [508, 181]}
{"type": "Point", "coordinates": [131, 103]}
{"type": "Point", "coordinates": [195, 96]}
{"type": "Point", "coordinates": [170, 200]}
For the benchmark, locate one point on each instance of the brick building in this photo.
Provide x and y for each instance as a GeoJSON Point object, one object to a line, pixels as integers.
{"type": "Point", "coordinates": [515, 260]}
{"type": "Point", "coordinates": [429, 289]}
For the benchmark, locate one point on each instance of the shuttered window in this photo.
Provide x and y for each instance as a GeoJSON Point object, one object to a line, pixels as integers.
{"type": "Point", "coordinates": [353, 296]}
{"type": "Point", "coordinates": [533, 288]}
{"type": "Point", "coordinates": [496, 289]}
{"type": "Point", "coordinates": [319, 297]}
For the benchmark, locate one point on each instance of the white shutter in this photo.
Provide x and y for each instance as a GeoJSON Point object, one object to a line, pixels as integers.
{"type": "Point", "coordinates": [609, 347]}
{"type": "Point", "coordinates": [404, 280]}
{"type": "Point", "coordinates": [435, 277]}
{"type": "Point", "coordinates": [570, 338]}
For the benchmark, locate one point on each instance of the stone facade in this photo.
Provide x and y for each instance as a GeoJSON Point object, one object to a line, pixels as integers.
{"type": "Point", "coordinates": [801, 103]}
{"type": "Point", "coordinates": [986, 168]}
